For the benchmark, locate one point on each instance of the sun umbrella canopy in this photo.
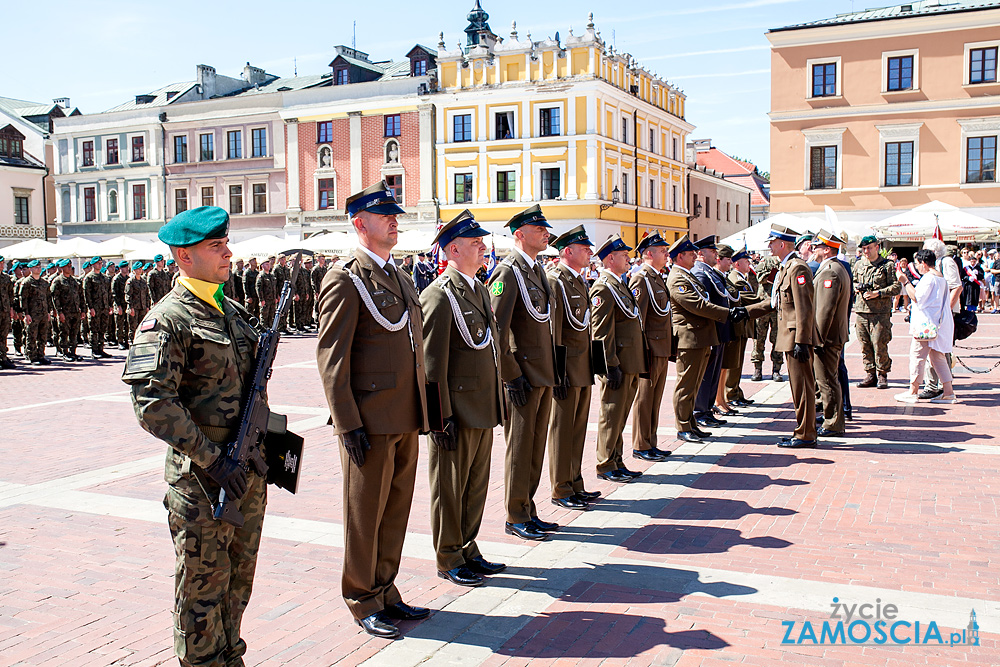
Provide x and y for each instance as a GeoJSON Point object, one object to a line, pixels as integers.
{"type": "Point", "coordinates": [119, 246]}
{"type": "Point", "coordinates": [75, 247]}
{"type": "Point", "coordinates": [919, 224]}
{"type": "Point", "coordinates": [33, 249]}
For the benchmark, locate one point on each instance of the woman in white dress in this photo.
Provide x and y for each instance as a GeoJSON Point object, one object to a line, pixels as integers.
{"type": "Point", "coordinates": [931, 325]}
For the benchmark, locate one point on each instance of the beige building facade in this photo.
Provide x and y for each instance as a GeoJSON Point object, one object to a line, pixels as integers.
{"type": "Point", "coordinates": [881, 111]}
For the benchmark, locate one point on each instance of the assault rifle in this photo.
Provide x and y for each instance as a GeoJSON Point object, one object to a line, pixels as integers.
{"type": "Point", "coordinates": [284, 448]}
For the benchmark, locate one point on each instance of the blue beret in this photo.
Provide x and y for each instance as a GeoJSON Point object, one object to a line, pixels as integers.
{"type": "Point", "coordinates": [170, 262]}
{"type": "Point", "coordinates": [87, 263]}
{"type": "Point", "coordinates": [158, 258]}
{"type": "Point", "coordinates": [1, 258]}
{"type": "Point", "coordinates": [95, 259]}
{"type": "Point", "coordinates": [137, 264]}
{"type": "Point", "coordinates": [104, 269]}
{"type": "Point", "coordinates": [576, 235]}
{"type": "Point", "coordinates": [613, 243]}
{"type": "Point", "coordinates": [529, 216]}
{"type": "Point", "coordinates": [375, 198]}
{"type": "Point", "coordinates": [32, 264]}
{"type": "Point", "coordinates": [50, 265]}
{"type": "Point", "coordinates": [194, 226]}
{"type": "Point", "coordinates": [62, 263]}
{"type": "Point", "coordinates": [148, 266]}
{"type": "Point", "coordinates": [462, 225]}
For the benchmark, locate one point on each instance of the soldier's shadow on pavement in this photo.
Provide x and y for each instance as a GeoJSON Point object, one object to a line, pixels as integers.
{"type": "Point", "coordinates": [765, 460]}
{"type": "Point", "coordinates": [899, 430]}
{"type": "Point", "coordinates": [692, 539]}
{"type": "Point", "coordinates": [889, 447]}
{"type": "Point", "coordinates": [741, 481]}
{"type": "Point", "coordinates": [709, 509]}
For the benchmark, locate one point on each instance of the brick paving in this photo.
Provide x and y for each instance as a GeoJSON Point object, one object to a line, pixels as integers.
{"type": "Point", "coordinates": [699, 563]}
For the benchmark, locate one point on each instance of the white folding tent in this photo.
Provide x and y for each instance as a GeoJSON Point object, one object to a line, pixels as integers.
{"type": "Point", "coordinates": [119, 246]}
{"type": "Point", "coordinates": [919, 224]}
{"type": "Point", "coordinates": [33, 249]}
{"type": "Point", "coordinates": [261, 247]}
{"type": "Point", "coordinates": [76, 247]}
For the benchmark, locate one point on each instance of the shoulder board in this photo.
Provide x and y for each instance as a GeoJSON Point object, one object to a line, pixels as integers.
{"type": "Point", "coordinates": [441, 281]}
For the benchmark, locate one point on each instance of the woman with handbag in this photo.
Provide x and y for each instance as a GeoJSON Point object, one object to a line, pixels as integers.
{"type": "Point", "coordinates": [931, 326]}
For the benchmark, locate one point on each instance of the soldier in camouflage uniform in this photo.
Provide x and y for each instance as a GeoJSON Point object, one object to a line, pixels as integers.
{"type": "Point", "coordinates": [98, 302]}
{"type": "Point", "coordinates": [250, 287]}
{"type": "Point", "coordinates": [239, 294]}
{"type": "Point", "coordinates": [281, 273]}
{"type": "Point", "coordinates": [267, 292]}
{"type": "Point", "coordinates": [17, 323]}
{"type": "Point", "coordinates": [120, 308]}
{"type": "Point", "coordinates": [186, 368]}
{"type": "Point", "coordinates": [875, 284]}
{"type": "Point", "coordinates": [137, 298]}
{"type": "Point", "coordinates": [766, 270]}
{"type": "Point", "coordinates": [316, 278]}
{"type": "Point", "coordinates": [302, 306]}
{"type": "Point", "coordinates": [6, 314]}
{"type": "Point", "coordinates": [69, 309]}
{"type": "Point", "coordinates": [36, 302]}
{"type": "Point", "coordinates": [159, 280]}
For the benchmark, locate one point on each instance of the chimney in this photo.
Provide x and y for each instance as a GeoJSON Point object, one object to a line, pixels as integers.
{"type": "Point", "coordinates": [254, 76]}
{"type": "Point", "coordinates": [206, 81]}
{"type": "Point", "coordinates": [63, 102]}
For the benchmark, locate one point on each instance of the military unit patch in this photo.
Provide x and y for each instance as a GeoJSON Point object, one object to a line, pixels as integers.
{"type": "Point", "coordinates": [681, 289]}
{"type": "Point", "coordinates": [597, 301]}
{"type": "Point", "coordinates": [827, 283]}
{"type": "Point", "coordinates": [801, 280]}
{"type": "Point", "coordinates": [496, 289]}
{"type": "Point", "coordinates": [147, 324]}
{"type": "Point", "coordinates": [635, 292]}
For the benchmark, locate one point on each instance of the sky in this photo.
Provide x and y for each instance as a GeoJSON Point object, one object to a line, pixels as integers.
{"type": "Point", "coordinates": [100, 53]}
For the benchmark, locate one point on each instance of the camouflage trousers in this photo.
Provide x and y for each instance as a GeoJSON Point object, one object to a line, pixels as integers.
{"type": "Point", "coordinates": [133, 323]}
{"type": "Point", "coordinates": [874, 334]}
{"type": "Point", "coordinates": [4, 330]}
{"type": "Point", "coordinates": [98, 325]}
{"type": "Point", "coordinates": [214, 572]}
{"type": "Point", "coordinates": [254, 308]}
{"type": "Point", "coordinates": [761, 326]}
{"type": "Point", "coordinates": [121, 325]}
{"type": "Point", "coordinates": [267, 314]}
{"type": "Point", "coordinates": [17, 328]}
{"type": "Point", "coordinates": [69, 331]}
{"type": "Point", "coordinates": [36, 335]}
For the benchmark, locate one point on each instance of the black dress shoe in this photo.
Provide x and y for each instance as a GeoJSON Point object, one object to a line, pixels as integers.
{"type": "Point", "coordinates": [105, 355]}
{"type": "Point", "coordinates": [544, 526]}
{"type": "Point", "coordinates": [629, 473]}
{"type": "Point", "coordinates": [649, 455]}
{"type": "Point", "coordinates": [748, 401]}
{"type": "Point", "coordinates": [569, 503]}
{"type": "Point", "coordinates": [614, 476]}
{"type": "Point", "coordinates": [699, 432]}
{"type": "Point", "coordinates": [709, 420]}
{"type": "Point", "coordinates": [589, 495]}
{"type": "Point", "coordinates": [378, 625]}
{"type": "Point", "coordinates": [827, 433]}
{"type": "Point", "coordinates": [526, 531]}
{"type": "Point", "coordinates": [689, 436]}
{"type": "Point", "coordinates": [44, 361]}
{"type": "Point", "coordinates": [797, 443]}
{"type": "Point", "coordinates": [725, 413]}
{"type": "Point", "coordinates": [849, 416]}
{"type": "Point", "coordinates": [462, 576]}
{"type": "Point", "coordinates": [480, 565]}
{"type": "Point", "coordinates": [404, 612]}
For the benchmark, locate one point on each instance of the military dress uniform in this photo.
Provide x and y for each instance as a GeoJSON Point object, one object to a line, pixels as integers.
{"type": "Point", "coordinates": [96, 298]}
{"type": "Point", "coordinates": [718, 292]}
{"type": "Point", "coordinates": [371, 361]}
{"type": "Point", "coordinates": [747, 290]}
{"type": "Point", "coordinates": [766, 327]}
{"type": "Point", "coordinates": [187, 367]}
{"type": "Point", "coordinates": [832, 286]}
{"type": "Point", "coordinates": [569, 415]}
{"type": "Point", "coordinates": [617, 324]}
{"type": "Point", "coordinates": [874, 316]}
{"type": "Point", "coordinates": [68, 306]}
{"type": "Point", "coordinates": [461, 356]}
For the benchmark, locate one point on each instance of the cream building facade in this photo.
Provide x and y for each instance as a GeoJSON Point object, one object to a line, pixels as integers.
{"type": "Point", "coordinates": [880, 111]}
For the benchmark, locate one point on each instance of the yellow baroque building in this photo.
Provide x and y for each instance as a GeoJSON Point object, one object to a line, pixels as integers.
{"type": "Point", "coordinates": [569, 124]}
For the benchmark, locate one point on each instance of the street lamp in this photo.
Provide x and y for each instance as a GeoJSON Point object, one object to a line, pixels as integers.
{"type": "Point", "coordinates": [614, 199]}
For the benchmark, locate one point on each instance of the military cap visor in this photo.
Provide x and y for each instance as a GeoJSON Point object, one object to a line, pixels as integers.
{"type": "Point", "coordinates": [651, 241]}
{"type": "Point", "coordinates": [742, 254]}
{"type": "Point", "coordinates": [463, 225]}
{"type": "Point", "coordinates": [375, 198]}
{"type": "Point", "coordinates": [781, 233]}
{"type": "Point", "coordinates": [682, 245]}
{"type": "Point", "coordinates": [530, 216]}
{"type": "Point", "coordinates": [613, 243]}
{"type": "Point", "coordinates": [194, 226]}
{"type": "Point", "coordinates": [707, 243]}
{"type": "Point", "coordinates": [803, 238]}
{"type": "Point", "coordinates": [576, 235]}
{"type": "Point", "coordinates": [828, 239]}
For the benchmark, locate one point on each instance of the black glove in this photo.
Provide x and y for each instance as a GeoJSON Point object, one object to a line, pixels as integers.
{"type": "Point", "coordinates": [738, 314]}
{"type": "Point", "coordinates": [800, 352]}
{"type": "Point", "coordinates": [357, 445]}
{"type": "Point", "coordinates": [448, 438]}
{"type": "Point", "coordinates": [518, 390]}
{"type": "Point", "coordinates": [229, 475]}
{"type": "Point", "coordinates": [561, 391]}
{"type": "Point", "coordinates": [615, 377]}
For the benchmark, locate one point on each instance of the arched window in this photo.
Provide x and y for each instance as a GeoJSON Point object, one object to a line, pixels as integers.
{"type": "Point", "coordinates": [113, 202]}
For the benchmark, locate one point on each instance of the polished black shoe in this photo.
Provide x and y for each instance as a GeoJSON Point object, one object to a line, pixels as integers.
{"type": "Point", "coordinates": [725, 413]}
{"type": "Point", "coordinates": [378, 625]}
{"type": "Point", "coordinates": [797, 443]}
{"type": "Point", "coordinates": [480, 565]}
{"type": "Point", "coordinates": [709, 420]}
{"type": "Point", "coordinates": [849, 416]}
{"type": "Point", "coordinates": [589, 495]}
{"type": "Point", "coordinates": [462, 576]}
{"type": "Point", "coordinates": [699, 432]}
{"type": "Point", "coordinates": [526, 531]}
{"type": "Point", "coordinates": [44, 361]}
{"type": "Point", "coordinates": [105, 355]}
{"type": "Point", "coordinates": [689, 436]}
{"type": "Point", "coordinates": [827, 433]}
{"type": "Point", "coordinates": [544, 526]}
{"type": "Point", "coordinates": [629, 473]}
{"type": "Point", "coordinates": [614, 476]}
{"type": "Point", "coordinates": [404, 612]}
{"type": "Point", "coordinates": [585, 501]}
{"type": "Point", "coordinates": [653, 455]}
{"type": "Point", "coordinates": [569, 503]}
{"type": "Point", "coordinates": [748, 401]}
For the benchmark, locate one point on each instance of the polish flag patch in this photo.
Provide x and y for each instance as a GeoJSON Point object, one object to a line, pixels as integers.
{"type": "Point", "coordinates": [801, 280]}
{"type": "Point", "coordinates": [828, 283]}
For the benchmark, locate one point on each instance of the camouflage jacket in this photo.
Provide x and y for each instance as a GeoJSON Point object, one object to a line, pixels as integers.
{"type": "Point", "coordinates": [34, 296]}
{"type": "Point", "coordinates": [766, 271]}
{"type": "Point", "coordinates": [238, 286]}
{"type": "Point", "coordinates": [159, 283]}
{"type": "Point", "coordinates": [281, 274]}
{"type": "Point", "coordinates": [95, 292]}
{"type": "Point", "coordinates": [303, 286]}
{"type": "Point", "coordinates": [267, 288]}
{"type": "Point", "coordinates": [137, 294]}
{"type": "Point", "coordinates": [316, 276]}
{"type": "Point", "coordinates": [118, 289]}
{"type": "Point", "coordinates": [66, 295]}
{"type": "Point", "coordinates": [878, 276]}
{"type": "Point", "coordinates": [6, 294]}
{"type": "Point", "coordinates": [250, 283]}
{"type": "Point", "coordinates": [187, 367]}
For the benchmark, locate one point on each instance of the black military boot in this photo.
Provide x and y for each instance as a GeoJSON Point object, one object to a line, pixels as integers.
{"type": "Point", "coordinates": [869, 381]}
{"type": "Point", "coordinates": [883, 381]}
{"type": "Point", "coordinates": [758, 372]}
{"type": "Point", "coordinates": [776, 374]}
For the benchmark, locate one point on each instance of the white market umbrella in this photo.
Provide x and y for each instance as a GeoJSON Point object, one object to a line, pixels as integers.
{"type": "Point", "coordinates": [333, 243]}
{"type": "Point", "coordinates": [919, 224]}
{"type": "Point", "coordinates": [33, 249]}
{"type": "Point", "coordinates": [148, 251]}
{"type": "Point", "coordinates": [413, 241]}
{"type": "Point", "coordinates": [260, 247]}
{"type": "Point", "coordinates": [119, 246]}
{"type": "Point", "coordinates": [75, 247]}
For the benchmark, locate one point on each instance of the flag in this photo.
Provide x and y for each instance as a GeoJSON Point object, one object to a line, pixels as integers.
{"type": "Point", "coordinates": [491, 260]}
{"type": "Point", "coordinates": [937, 229]}
{"type": "Point", "coordinates": [440, 264]}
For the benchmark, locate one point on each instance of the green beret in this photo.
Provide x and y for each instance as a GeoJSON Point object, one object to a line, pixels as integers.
{"type": "Point", "coordinates": [725, 251]}
{"type": "Point", "coordinates": [1, 258]}
{"type": "Point", "coordinates": [137, 264]}
{"type": "Point", "coordinates": [50, 265]}
{"type": "Point", "coordinates": [62, 263]}
{"type": "Point", "coordinates": [868, 240]}
{"type": "Point", "coordinates": [32, 264]}
{"type": "Point", "coordinates": [148, 266]}
{"type": "Point", "coordinates": [95, 259]}
{"type": "Point", "coordinates": [170, 262]}
{"type": "Point", "coordinates": [123, 264]}
{"type": "Point", "coordinates": [194, 226]}
{"type": "Point", "coordinates": [158, 258]}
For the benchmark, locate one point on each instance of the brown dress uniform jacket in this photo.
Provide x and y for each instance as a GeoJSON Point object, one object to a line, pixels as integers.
{"type": "Point", "coordinates": [622, 334]}
{"type": "Point", "coordinates": [796, 314]}
{"type": "Point", "coordinates": [526, 345]}
{"type": "Point", "coordinates": [692, 314]}
{"type": "Point", "coordinates": [570, 298]}
{"type": "Point", "coordinates": [650, 290]}
{"type": "Point", "coordinates": [832, 300]}
{"type": "Point", "coordinates": [374, 378]}
{"type": "Point", "coordinates": [748, 290]}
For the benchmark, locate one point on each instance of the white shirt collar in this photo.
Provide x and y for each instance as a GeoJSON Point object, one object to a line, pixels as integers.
{"type": "Point", "coordinates": [468, 279]}
{"type": "Point", "coordinates": [378, 260]}
{"type": "Point", "coordinates": [529, 260]}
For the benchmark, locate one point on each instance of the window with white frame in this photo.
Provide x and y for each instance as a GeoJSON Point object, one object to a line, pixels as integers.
{"type": "Point", "coordinates": [899, 148]}
{"type": "Point", "coordinates": [823, 167]}
{"type": "Point", "coordinates": [326, 189]}
{"type": "Point", "coordinates": [979, 150]}
{"type": "Point", "coordinates": [981, 63]}
{"type": "Point", "coordinates": [549, 122]}
{"type": "Point", "coordinates": [503, 125]}
{"type": "Point", "coordinates": [461, 127]}
{"type": "Point", "coordinates": [180, 200]}
{"type": "Point", "coordinates": [463, 193]}
{"type": "Point", "coordinates": [550, 183]}
{"type": "Point", "coordinates": [824, 77]}
{"type": "Point", "coordinates": [258, 137]}
{"type": "Point", "coordinates": [235, 199]}
{"type": "Point", "coordinates": [506, 186]}
{"type": "Point", "coordinates": [900, 71]}
{"type": "Point", "coordinates": [259, 197]}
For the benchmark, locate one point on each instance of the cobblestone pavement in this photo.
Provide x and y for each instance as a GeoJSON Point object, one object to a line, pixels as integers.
{"type": "Point", "coordinates": [708, 559]}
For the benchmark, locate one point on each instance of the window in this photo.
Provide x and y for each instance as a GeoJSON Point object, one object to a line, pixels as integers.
{"type": "Point", "coordinates": [652, 192]}
{"type": "Point", "coordinates": [88, 153]}
{"type": "Point", "coordinates": [235, 198]}
{"type": "Point", "coordinates": [419, 66]}
{"type": "Point", "coordinates": [21, 211]}
{"type": "Point", "coordinates": [675, 143]}
{"type": "Point", "coordinates": [673, 188]}
{"type": "Point", "coordinates": [550, 184]}
{"type": "Point", "coordinates": [718, 209]}
{"type": "Point", "coordinates": [983, 65]}
{"type": "Point", "coordinates": [111, 154]}
{"type": "Point", "coordinates": [208, 196]}
{"type": "Point", "coordinates": [728, 219]}
{"type": "Point", "coordinates": [260, 198]}
{"type": "Point", "coordinates": [139, 202]}
{"type": "Point", "coordinates": [181, 148]}
{"type": "Point", "coordinates": [652, 148]}
{"type": "Point", "coordinates": [549, 122]}
{"type": "Point", "coordinates": [341, 76]}
{"type": "Point", "coordinates": [694, 206]}
{"type": "Point", "coordinates": [113, 202]}
{"type": "Point", "coordinates": [89, 204]}
{"type": "Point", "coordinates": [138, 149]}
{"type": "Point", "coordinates": [234, 140]}
{"type": "Point", "coordinates": [899, 163]}
{"type": "Point", "coordinates": [180, 200]}
{"type": "Point", "coordinates": [708, 207]}
{"type": "Point", "coordinates": [824, 80]}
{"type": "Point", "coordinates": [395, 183]}
{"type": "Point", "coordinates": [324, 132]}
{"type": "Point", "coordinates": [624, 130]}
{"type": "Point", "coordinates": [823, 168]}
{"type": "Point", "coordinates": [258, 141]}
{"type": "Point", "coordinates": [392, 125]}
{"type": "Point", "coordinates": [900, 73]}
{"type": "Point", "coordinates": [503, 125]}
{"type": "Point", "coordinates": [11, 146]}
{"type": "Point", "coordinates": [326, 196]}
{"type": "Point", "coordinates": [981, 160]}
{"type": "Point", "coordinates": [462, 128]}
{"type": "Point", "coordinates": [206, 147]}
{"type": "Point", "coordinates": [737, 213]}
{"type": "Point", "coordinates": [463, 188]}
{"type": "Point", "coordinates": [505, 186]}
{"type": "Point", "coordinates": [625, 188]}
